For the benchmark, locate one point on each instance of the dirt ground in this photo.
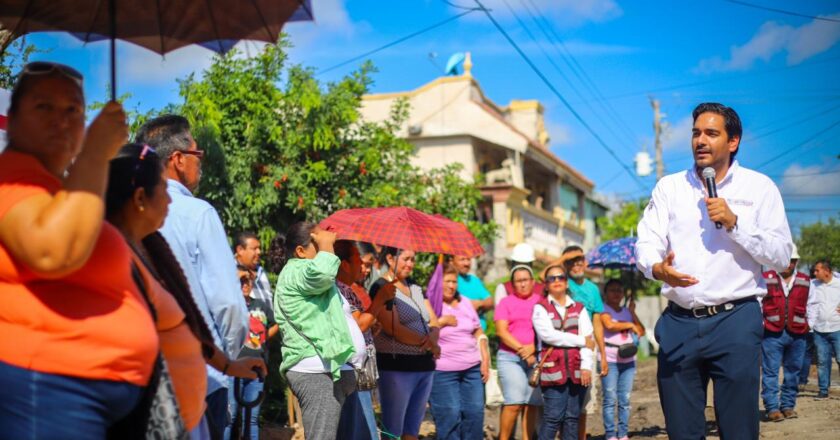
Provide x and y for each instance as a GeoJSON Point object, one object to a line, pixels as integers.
{"type": "Point", "coordinates": [818, 418]}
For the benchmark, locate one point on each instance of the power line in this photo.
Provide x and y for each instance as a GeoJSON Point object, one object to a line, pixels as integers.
{"type": "Point", "coordinates": [818, 173]}
{"type": "Point", "coordinates": [575, 67]}
{"type": "Point", "coordinates": [714, 80]}
{"type": "Point", "coordinates": [791, 150]}
{"type": "Point", "coordinates": [398, 41]}
{"type": "Point", "coordinates": [792, 124]}
{"type": "Point", "coordinates": [563, 75]}
{"type": "Point", "coordinates": [559, 95]}
{"type": "Point", "coordinates": [781, 11]}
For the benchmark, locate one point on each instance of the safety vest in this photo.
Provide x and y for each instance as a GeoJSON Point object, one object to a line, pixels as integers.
{"type": "Point", "coordinates": [563, 363]}
{"type": "Point", "coordinates": [785, 312]}
{"type": "Point", "coordinates": [538, 288]}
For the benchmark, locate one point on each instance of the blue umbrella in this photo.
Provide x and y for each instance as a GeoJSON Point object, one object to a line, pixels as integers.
{"type": "Point", "coordinates": [614, 254]}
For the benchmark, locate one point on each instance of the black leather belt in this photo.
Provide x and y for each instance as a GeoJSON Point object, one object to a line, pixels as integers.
{"type": "Point", "coordinates": [707, 311]}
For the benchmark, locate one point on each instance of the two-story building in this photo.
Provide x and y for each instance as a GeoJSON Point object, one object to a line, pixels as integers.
{"type": "Point", "coordinates": [533, 195]}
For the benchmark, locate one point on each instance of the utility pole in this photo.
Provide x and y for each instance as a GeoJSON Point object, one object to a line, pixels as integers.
{"type": "Point", "coordinates": [657, 133]}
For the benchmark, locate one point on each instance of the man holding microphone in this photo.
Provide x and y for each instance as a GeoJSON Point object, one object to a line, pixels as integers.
{"type": "Point", "coordinates": [705, 234]}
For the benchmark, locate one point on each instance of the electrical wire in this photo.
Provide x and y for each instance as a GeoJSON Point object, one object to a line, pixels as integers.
{"type": "Point", "coordinates": [398, 41]}
{"type": "Point", "coordinates": [792, 150]}
{"type": "Point", "coordinates": [557, 93]}
{"type": "Point", "coordinates": [782, 11]}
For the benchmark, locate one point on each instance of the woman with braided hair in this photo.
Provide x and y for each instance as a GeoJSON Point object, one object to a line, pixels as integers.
{"type": "Point", "coordinates": [136, 202]}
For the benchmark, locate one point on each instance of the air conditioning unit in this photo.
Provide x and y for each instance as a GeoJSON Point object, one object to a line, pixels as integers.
{"type": "Point", "coordinates": [415, 129]}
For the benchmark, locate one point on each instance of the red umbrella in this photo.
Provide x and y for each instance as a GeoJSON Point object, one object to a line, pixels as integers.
{"type": "Point", "coordinates": [404, 228]}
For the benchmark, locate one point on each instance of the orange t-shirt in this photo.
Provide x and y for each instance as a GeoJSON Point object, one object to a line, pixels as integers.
{"type": "Point", "coordinates": [93, 323]}
{"type": "Point", "coordinates": [181, 349]}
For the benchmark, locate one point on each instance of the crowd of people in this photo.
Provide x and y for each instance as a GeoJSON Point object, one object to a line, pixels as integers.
{"type": "Point", "coordinates": [119, 284]}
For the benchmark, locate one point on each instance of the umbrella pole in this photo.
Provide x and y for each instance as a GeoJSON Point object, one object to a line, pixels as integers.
{"type": "Point", "coordinates": [112, 16]}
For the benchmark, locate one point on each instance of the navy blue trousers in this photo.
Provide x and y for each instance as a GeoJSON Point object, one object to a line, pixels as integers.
{"type": "Point", "coordinates": [725, 348]}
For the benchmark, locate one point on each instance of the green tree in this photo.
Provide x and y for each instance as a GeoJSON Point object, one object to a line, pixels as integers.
{"type": "Point", "coordinates": [819, 241]}
{"type": "Point", "coordinates": [283, 147]}
{"type": "Point", "coordinates": [13, 56]}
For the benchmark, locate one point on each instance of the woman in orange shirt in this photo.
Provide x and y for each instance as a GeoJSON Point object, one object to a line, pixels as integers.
{"type": "Point", "coordinates": [78, 344]}
{"type": "Point", "coordinates": [136, 202]}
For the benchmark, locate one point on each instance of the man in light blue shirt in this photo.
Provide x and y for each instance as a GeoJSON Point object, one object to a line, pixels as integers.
{"type": "Point", "coordinates": [473, 289]}
{"type": "Point", "coordinates": [195, 233]}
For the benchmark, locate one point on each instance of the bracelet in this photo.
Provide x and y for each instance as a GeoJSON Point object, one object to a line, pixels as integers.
{"type": "Point", "coordinates": [481, 338]}
{"type": "Point", "coordinates": [227, 364]}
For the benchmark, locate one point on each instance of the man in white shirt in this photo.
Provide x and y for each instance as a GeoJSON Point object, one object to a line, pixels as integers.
{"type": "Point", "coordinates": [824, 318]}
{"type": "Point", "coordinates": [712, 327]}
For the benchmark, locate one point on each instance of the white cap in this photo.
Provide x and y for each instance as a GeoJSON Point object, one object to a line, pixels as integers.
{"type": "Point", "coordinates": [795, 254]}
{"type": "Point", "coordinates": [523, 253]}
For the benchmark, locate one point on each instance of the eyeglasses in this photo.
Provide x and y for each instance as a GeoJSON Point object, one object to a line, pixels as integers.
{"type": "Point", "coordinates": [553, 278]}
{"type": "Point", "coordinates": [197, 153]}
{"type": "Point", "coordinates": [46, 67]}
{"type": "Point", "coordinates": [145, 151]}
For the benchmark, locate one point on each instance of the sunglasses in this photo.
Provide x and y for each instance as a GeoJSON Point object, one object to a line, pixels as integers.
{"type": "Point", "coordinates": [197, 153]}
{"type": "Point", "coordinates": [143, 153]}
{"type": "Point", "coordinates": [46, 68]}
{"type": "Point", "coordinates": [553, 278]}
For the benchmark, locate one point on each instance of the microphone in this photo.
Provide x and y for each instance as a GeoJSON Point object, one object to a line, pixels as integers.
{"type": "Point", "coordinates": [711, 187]}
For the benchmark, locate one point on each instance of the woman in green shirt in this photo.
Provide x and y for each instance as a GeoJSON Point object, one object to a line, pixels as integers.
{"type": "Point", "coordinates": [320, 344]}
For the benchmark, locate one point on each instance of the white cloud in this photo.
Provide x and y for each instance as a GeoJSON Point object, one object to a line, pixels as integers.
{"type": "Point", "coordinates": [810, 180]}
{"type": "Point", "coordinates": [678, 135]}
{"type": "Point", "coordinates": [771, 39]}
{"type": "Point", "coordinates": [559, 134]}
{"type": "Point", "coordinates": [565, 13]}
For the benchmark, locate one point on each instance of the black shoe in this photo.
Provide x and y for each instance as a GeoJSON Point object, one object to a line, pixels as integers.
{"type": "Point", "coordinates": [822, 395]}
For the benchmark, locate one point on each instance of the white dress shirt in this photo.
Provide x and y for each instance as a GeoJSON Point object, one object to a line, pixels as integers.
{"type": "Point", "coordinates": [547, 333]}
{"type": "Point", "coordinates": [823, 300]}
{"type": "Point", "coordinates": [726, 264]}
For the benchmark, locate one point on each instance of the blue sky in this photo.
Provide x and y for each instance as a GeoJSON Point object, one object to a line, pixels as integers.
{"type": "Point", "coordinates": [778, 71]}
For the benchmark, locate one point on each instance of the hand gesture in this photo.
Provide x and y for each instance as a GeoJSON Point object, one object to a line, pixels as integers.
{"type": "Point", "coordinates": [526, 350]}
{"type": "Point", "coordinates": [448, 320]}
{"type": "Point", "coordinates": [107, 133]}
{"type": "Point", "coordinates": [719, 212]}
{"type": "Point", "coordinates": [388, 291]}
{"type": "Point", "coordinates": [323, 238]}
{"type": "Point", "coordinates": [665, 272]}
{"type": "Point", "coordinates": [531, 360]}
{"type": "Point", "coordinates": [585, 378]}
{"type": "Point", "coordinates": [244, 367]}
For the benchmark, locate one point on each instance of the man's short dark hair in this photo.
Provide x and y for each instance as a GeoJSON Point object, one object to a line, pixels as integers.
{"type": "Point", "coordinates": [572, 248]}
{"type": "Point", "coordinates": [731, 120]}
{"type": "Point", "coordinates": [825, 263]}
{"type": "Point", "coordinates": [166, 134]}
{"type": "Point", "coordinates": [241, 239]}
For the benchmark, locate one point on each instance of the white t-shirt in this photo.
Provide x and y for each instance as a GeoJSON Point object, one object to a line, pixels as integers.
{"type": "Point", "coordinates": [314, 364]}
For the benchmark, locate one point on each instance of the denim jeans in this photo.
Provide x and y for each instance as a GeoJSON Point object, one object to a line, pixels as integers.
{"type": "Point", "coordinates": [784, 350]}
{"type": "Point", "coordinates": [249, 390]}
{"type": "Point", "coordinates": [561, 410]}
{"type": "Point", "coordinates": [513, 377]}
{"type": "Point", "coordinates": [618, 383]}
{"type": "Point", "coordinates": [217, 413]}
{"type": "Point", "coordinates": [358, 421]}
{"type": "Point", "coordinates": [825, 343]}
{"type": "Point", "coordinates": [807, 356]}
{"type": "Point", "coordinates": [457, 401]}
{"type": "Point", "coordinates": [39, 405]}
{"type": "Point", "coordinates": [403, 396]}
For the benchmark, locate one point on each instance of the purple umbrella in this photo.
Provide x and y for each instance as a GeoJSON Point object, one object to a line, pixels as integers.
{"type": "Point", "coordinates": [614, 254]}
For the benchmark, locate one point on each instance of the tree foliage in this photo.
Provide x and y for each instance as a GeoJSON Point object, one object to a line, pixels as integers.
{"type": "Point", "coordinates": [623, 224]}
{"type": "Point", "coordinates": [283, 147]}
{"type": "Point", "coordinates": [819, 241]}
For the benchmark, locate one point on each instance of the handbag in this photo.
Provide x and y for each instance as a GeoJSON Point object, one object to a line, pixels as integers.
{"type": "Point", "coordinates": [534, 378]}
{"type": "Point", "coordinates": [493, 396]}
{"type": "Point", "coordinates": [625, 350]}
{"type": "Point", "coordinates": [156, 416]}
{"type": "Point", "coordinates": [366, 377]}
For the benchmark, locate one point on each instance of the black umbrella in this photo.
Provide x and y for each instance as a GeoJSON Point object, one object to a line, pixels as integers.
{"type": "Point", "coordinates": [160, 26]}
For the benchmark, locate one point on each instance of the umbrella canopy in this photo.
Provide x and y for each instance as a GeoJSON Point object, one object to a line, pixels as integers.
{"type": "Point", "coordinates": [161, 26]}
{"type": "Point", "coordinates": [614, 254]}
{"type": "Point", "coordinates": [404, 228]}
